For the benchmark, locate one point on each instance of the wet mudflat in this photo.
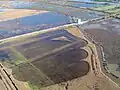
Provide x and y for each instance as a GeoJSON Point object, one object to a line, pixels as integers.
{"type": "Point", "coordinates": [39, 47]}
{"type": "Point", "coordinates": [64, 65]}
{"type": "Point", "coordinates": [51, 58]}
{"type": "Point", "coordinates": [47, 42]}
{"type": "Point", "coordinates": [107, 34]}
{"type": "Point", "coordinates": [31, 23]}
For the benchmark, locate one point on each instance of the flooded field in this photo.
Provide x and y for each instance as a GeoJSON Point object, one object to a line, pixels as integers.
{"type": "Point", "coordinates": [31, 23]}
{"type": "Point", "coordinates": [82, 14]}
{"type": "Point", "coordinates": [54, 69]}
{"type": "Point", "coordinates": [47, 59]}
{"type": "Point", "coordinates": [47, 43]}
{"type": "Point", "coordinates": [107, 34]}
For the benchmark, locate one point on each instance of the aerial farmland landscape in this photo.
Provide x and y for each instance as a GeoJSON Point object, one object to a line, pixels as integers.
{"type": "Point", "coordinates": [60, 45]}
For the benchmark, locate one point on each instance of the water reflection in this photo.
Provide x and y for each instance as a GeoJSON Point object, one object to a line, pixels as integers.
{"type": "Point", "coordinates": [32, 23]}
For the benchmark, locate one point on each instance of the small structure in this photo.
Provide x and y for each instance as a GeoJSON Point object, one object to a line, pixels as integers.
{"type": "Point", "coordinates": [76, 20]}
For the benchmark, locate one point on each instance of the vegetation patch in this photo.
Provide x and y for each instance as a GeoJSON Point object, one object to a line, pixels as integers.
{"type": "Point", "coordinates": [18, 56]}
{"type": "Point", "coordinates": [32, 86]}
